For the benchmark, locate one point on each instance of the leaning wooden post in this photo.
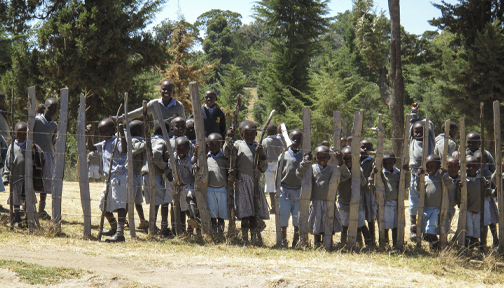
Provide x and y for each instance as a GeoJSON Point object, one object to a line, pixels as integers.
{"type": "Point", "coordinates": [201, 177]}
{"type": "Point", "coordinates": [83, 169]}
{"type": "Point", "coordinates": [443, 216]}
{"type": "Point", "coordinates": [482, 169]}
{"type": "Point", "coordinates": [401, 194]}
{"type": "Point", "coordinates": [285, 135]}
{"type": "Point", "coordinates": [31, 199]}
{"type": "Point", "coordinates": [379, 186]}
{"type": "Point", "coordinates": [498, 171]}
{"type": "Point", "coordinates": [278, 184]}
{"type": "Point", "coordinates": [333, 185]}
{"type": "Point", "coordinates": [151, 175]}
{"type": "Point", "coordinates": [421, 183]}
{"type": "Point", "coordinates": [59, 159]}
{"type": "Point", "coordinates": [232, 163]}
{"type": "Point", "coordinates": [131, 181]}
{"type": "Point", "coordinates": [306, 181]}
{"type": "Point", "coordinates": [462, 220]}
{"type": "Point", "coordinates": [356, 179]}
{"type": "Point", "coordinates": [13, 137]}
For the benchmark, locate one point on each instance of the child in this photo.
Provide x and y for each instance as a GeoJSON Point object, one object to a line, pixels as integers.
{"type": "Point", "coordinates": [15, 173]}
{"type": "Point", "coordinates": [213, 117]}
{"type": "Point", "coordinates": [348, 141]}
{"type": "Point", "coordinates": [433, 196]}
{"type": "Point", "coordinates": [453, 166]}
{"type": "Point", "coordinates": [218, 167]}
{"type": "Point", "coordinates": [452, 146]}
{"type": "Point", "coordinates": [415, 152]}
{"type": "Point", "coordinates": [161, 173]}
{"type": "Point", "coordinates": [473, 145]}
{"type": "Point", "coordinates": [190, 132]}
{"type": "Point", "coordinates": [244, 191]}
{"type": "Point", "coordinates": [94, 166]}
{"type": "Point", "coordinates": [40, 109]}
{"type": "Point", "coordinates": [118, 193]}
{"type": "Point", "coordinates": [390, 175]}
{"type": "Point", "coordinates": [272, 147]}
{"type": "Point", "coordinates": [139, 158]}
{"type": "Point", "coordinates": [44, 134]}
{"type": "Point", "coordinates": [345, 196]}
{"type": "Point", "coordinates": [368, 200]}
{"type": "Point", "coordinates": [343, 142]}
{"type": "Point", "coordinates": [178, 129]}
{"type": "Point", "coordinates": [290, 189]}
{"type": "Point", "coordinates": [474, 182]}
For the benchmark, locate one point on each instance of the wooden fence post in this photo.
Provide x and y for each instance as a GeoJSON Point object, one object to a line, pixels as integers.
{"type": "Point", "coordinates": [151, 174]}
{"type": "Point", "coordinates": [83, 169]}
{"type": "Point", "coordinates": [232, 163]}
{"type": "Point", "coordinates": [443, 216]}
{"type": "Point", "coordinates": [401, 223]}
{"type": "Point", "coordinates": [483, 240]}
{"type": "Point", "coordinates": [333, 185]}
{"type": "Point", "coordinates": [31, 199]}
{"type": "Point", "coordinates": [356, 178]}
{"type": "Point", "coordinates": [131, 181]}
{"type": "Point", "coordinates": [498, 171]}
{"type": "Point", "coordinates": [306, 181]}
{"type": "Point", "coordinates": [379, 186]}
{"type": "Point", "coordinates": [278, 184]}
{"type": "Point", "coordinates": [462, 220]}
{"type": "Point", "coordinates": [13, 137]}
{"type": "Point", "coordinates": [201, 177]}
{"type": "Point", "coordinates": [421, 184]}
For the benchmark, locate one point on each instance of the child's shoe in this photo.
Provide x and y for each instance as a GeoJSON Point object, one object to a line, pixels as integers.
{"type": "Point", "coordinates": [43, 215]}
{"type": "Point", "coordinates": [143, 225]}
{"type": "Point", "coordinates": [116, 238]}
{"type": "Point", "coordinates": [110, 232]}
{"type": "Point", "coordinates": [295, 239]}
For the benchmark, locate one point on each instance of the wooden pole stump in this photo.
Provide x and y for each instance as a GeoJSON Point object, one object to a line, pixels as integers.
{"type": "Point", "coordinates": [443, 216]}
{"type": "Point", "coordinates": [401, 195]}
{"type": "Point", "coordinates": [306, 181]}
{"type": "Point", "coordinates": [83, 169]}
{"type": "Point", "coordinates": [421, 183]}
{"type": "Point", "coordinates": [379, 186]}
{"type": "Point", "coordinates": [356, 179]}
{"type": "Point", "coordinates": [131, 181]}
{"type": "Point", "coordinates": [31, 199]}
{"type": "Point", "coordinates": [498, 171]}
{"type": "Point", "coordinates": [462, 220]}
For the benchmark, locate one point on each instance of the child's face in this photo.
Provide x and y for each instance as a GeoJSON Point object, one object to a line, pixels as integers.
{"type": "Point", "coordinates": [347, 158]}
{"type": "Point", "coordinates": [453, 133]}
{"type": "Point", "coordinates": [214, 146]}
{"type": "Point", "coordinates": [388, 164]}
{"type": "Point", "coordinates": [190, 133]}
{"type": "Point", "coordinates": [343, 142]}
{"type": "Point", "coordinates": [21, 134]}
{"type": "Point", "coordinates": [249, 135]}
{"type": "Point", "coordinates": [453, 168]}
{"type": "Point", "coordinates": [418, 132]}
{"type": "Point", "coordinates": [167, 92]}
{"type": "Point", "coordinates": [51, 110]}
{"type": "Point", "coordinates": [432, 167]}
{"type": "Point", "coordinates": [322, 158]}
{"type": "Point", "coordinates": [179, 128]}
{"type": "Point", "coordinates": [182, 150]}
{"type": "Point", "coordinates": [472, 168]}
{"type": "Point", "coordinates": [473, 143]}
{"type": "Point", "coordinates": [106, 131]}
{"type": "Point", "coordinates": [210, 99]}
{"type": "Point", "coordinates": [297, 140]}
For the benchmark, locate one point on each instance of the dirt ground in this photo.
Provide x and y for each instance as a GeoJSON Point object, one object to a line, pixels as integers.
{"type": "Point", "coordinates": [180, 263]}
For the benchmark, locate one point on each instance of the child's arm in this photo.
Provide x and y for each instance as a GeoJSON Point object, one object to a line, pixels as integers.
{"type": "Point", "coordinates": [138, 146]}
{"type": "Point", "coordinates": [263, 163]}
{"type": "Point", "coordinates": [89, 132]}
{"type": "Point", "coordinates": [447, 181]}
{"type": "Point", "coordinates": [6, 170]}
{"type": "Point", "coordinates": [303, 166]}
{"type": "Point", "coordinates": [124, 145]}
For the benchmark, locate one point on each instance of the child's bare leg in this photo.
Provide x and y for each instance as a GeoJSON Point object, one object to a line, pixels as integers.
{"type": "Point", "coordinates": [245, 226]}
{"type": "Point", "coordinates": [112, 222]}
{"type": "Point", "coordinates": [495, 236]}
{"type": "Point", "coordinates": [372, 232]}
{"type": "Point", "coordinates": [272, 200]}
{"type": "Point", "coordinates": [165, 230]}
{"type": "Point", "coordinates": [255, 234]}
{"type": "Point", "coordinates": [394, 236]}
{"type": "Point", "coordinates": [344, 235]}
{"type": "Point", "coordinates": [119, 235]}
{"type": "Point", "coordinates": [140, 212]}
{"type": "Point", "coordinates": [360, 239]}
{"type": "Point", "coordinates": [295, 239]}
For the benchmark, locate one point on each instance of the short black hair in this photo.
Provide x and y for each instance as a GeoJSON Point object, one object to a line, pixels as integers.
{"type": "Point", "coordinates": [157, 128]}
{"type": "Point", "coordinates": [453, 125]}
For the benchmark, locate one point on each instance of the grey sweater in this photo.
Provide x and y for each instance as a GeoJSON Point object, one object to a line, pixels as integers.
{"type": "Point", "coordinates": [439, 149]}
{"type": "Point", "coordinates": [139, 154]}
{"type": "Point", "coordinates": [44, 133]}
{"type": "Point", "coordinates": [94, 158]}
{"type": "Point", "coordinates": [367, 169]}
{"type": "Point", "coordinates": [474, 194]}
{"type": "Point", "coordinates": [320, 178]}
{"type": "Point", "coordinates": [292, 161]}
{"type": "Point", "coordinates": [345, 186]}
{"type": "Point", "coordinates": [159, 157]}
{"type": "Point", "coordinates": [390, 182]}
{"type": "Point", "coordinates": [245, 158]}
{"type": "Point", "coordinates": [217, 170]}
{"type": "Point", "coordinates": [416, 146]}
{"type": "Point", "coordinates": [272, 147]}
{"type": "Point", "coordinates": [434, 188]}
{"type": "Point", "coordinates": [176, 109]}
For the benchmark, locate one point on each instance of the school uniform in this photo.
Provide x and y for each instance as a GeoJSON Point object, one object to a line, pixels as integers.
{"type": "Point", "coordinates": [214, 120]}
{"type": "Point", "coordinates": [217, 195]}
{"type": "Point", "coordinates": [44, 135]}
{"type": "Point", "coordinates": [345, 197]}
{"type": "Point", "coordinates": [186, 177]}
{"type": "Point", "coordinates": [439, 149]}
{"type": "Point", "coordinates": [290, 188]}
{"type": "Point", "coordinates": [273, 147]}
{"type": "Point", "coordinates": [473, 213]}
{"type": "Point", "coordinates": [160, 173]}
{"type": "Point", "coordinates": [139, 157]}
{"type": "Point", "coordinates": [94, 164]}
{"type": "Point", "coordinates": [368, 200]}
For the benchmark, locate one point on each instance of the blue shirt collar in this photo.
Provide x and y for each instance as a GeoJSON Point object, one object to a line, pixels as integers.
{"type": "Point", "coordinates": [394, 171]}
{"type": "Point", "coordinates": [172, 103]}
{"type": "Point", "coordinates": [220, 154]}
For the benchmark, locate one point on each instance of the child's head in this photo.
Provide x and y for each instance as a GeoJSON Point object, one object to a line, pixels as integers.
{"type": "Point", "coordinates": [272, 129]}
{"type": "Point", "coordinates": [41, 108]}
{"type": "Point", "coordinates": [453, 166]}
{"type": "Point", "coordinates": [343, 142]}
{"type": "Point", "coordinates": [432, 164]}
{"type": "Point", "coordinates": [51, 108]}
{"type": "Point", "coordinates": [326, 144]}
{"type": "Point", "coordinates": [388, 160]}
{"type": "Point", "coordinates": [477, 154]}
{"type": "Point", "coordinates": [106, 127]}
{"type": "Point", "coordinates": [453, 129]}
{"type": "Point", "coordinates": [349, 140]}
{"type": "Point", "coordinates": [473, 141]}
{"type": "Point", "coordinates": [210, 98]}
{"type": "Point", "coordinates": [167, 89]}
{"type": "Point", "coordinates": [20, 130]}
{"type": "Point", "coordinates": [190, 132]}
{"type": "Point", "coordinates": [418, 130]}
{"type": "Point", "coordinates": [136, 128]}
{"type": "Point", "coordinates": [296, 136]}
{"type": "Point", "coordinates": [214, 143]}
{"type": "Point", "coordinates": [472, 166]}
{"type": "Point", "coordinates": [182, 146]}
{"type": "Point", "coordinates": [322, 155]}
{"type": "Point", "coordinates": [178, 126]}
{"type": "Point", "coordinates": [249, 131]}
{"type": "Point", "coordinates": [157, 128]}
{"type": "Point", "coordinates": [365, 146]}
{"type": "Point", "coordinates": [347, 156]}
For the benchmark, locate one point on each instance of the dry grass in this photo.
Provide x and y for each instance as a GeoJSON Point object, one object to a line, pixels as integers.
{"type": "Point", "coordinates": [270, 266]}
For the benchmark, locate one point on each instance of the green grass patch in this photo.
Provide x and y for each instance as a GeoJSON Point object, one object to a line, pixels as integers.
{"type": "Point", "coordinates": [36, 274]}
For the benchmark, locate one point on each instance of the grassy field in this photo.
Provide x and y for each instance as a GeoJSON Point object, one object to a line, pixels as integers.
{"type": "Point", "coordinates": [69, 260]}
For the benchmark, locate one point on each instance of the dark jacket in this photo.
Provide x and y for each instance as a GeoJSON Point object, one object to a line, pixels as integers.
{"type": "Point", "coordinates": [215, 122]}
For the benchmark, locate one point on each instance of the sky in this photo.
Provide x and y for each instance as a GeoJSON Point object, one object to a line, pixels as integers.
{"type": "Point", "coordinates": [414, 13]}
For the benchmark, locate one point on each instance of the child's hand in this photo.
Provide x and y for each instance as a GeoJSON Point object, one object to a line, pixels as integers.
{"type": "Point", "coordinates": [260, 150]}
{"type": "Point", "coordinates": [307, 157]}
{"type": "Point", "coordinates": [196, 147]}
{"type": "Point", "coordinates": [405, 167]}
{"type": "Point", "coordinates": [231, 132]}
{"type": "Point", "coordinates": [232, 172]}
{"type": "Point", "coordinates": [339, 157]}
{"type": "Point", "coordinates": [196, 168]}
{"type": "Point", "coordinates": [89, 129]}
{"type": "Point", "coordinates": [415, 106]}
{"type": "Point", "coordinates": [420, 171]}
{"type": "Point", "coordinates": [487, 183]}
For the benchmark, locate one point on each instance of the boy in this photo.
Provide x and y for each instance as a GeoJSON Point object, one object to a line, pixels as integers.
{"type": "Point", "coordinates": [213, 117]}
{"type": "Point", "coordinates": [452, 146]}
{"type": "Point", "coordinates": [415, 153]}
{"type": "Point", "coordinates": [273, 147]}
{"type": "Point", "coordinates": [433, 196]}
{"type": "Point", "coordinates": [473, 145]}
{"type": "Point", "coordinates": [190, 132]}
{"type": "Point", "coordinates": [118, 193]}
{"type": "Point", "coordinates": [345, 196]}
{"type": "Point", "coordinates": [290, 189]}
{"type": "Point", "coordinates": [453, 165]}
{"type": "Point", "coordinates": [44, 134]}
{"type": "Point", "coordinates": [15, 173]}
{"type": "Point", "coordinates": [390, 175]}
{"type": "Point", "coordinates": [368, 199]}
{"type": "Point", "coordinates": [139, 159]}
{"type": "Point", "coordinates": [94, 166]}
